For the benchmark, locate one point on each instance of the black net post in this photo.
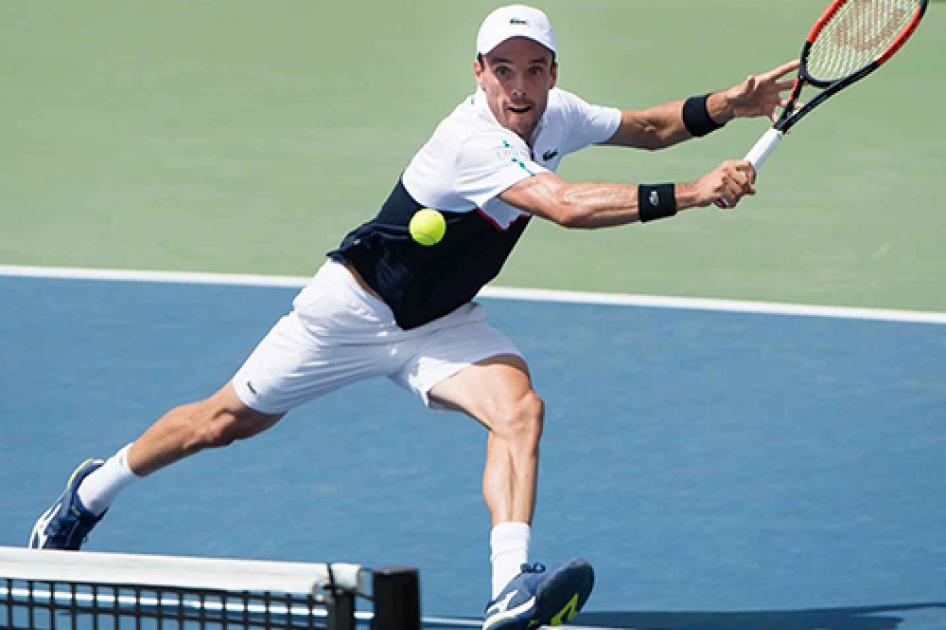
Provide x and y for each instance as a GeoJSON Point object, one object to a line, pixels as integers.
{"type": "Point", "coordinates": [341, 609]}
{"type": "Point", "coordinates": [396, 592]}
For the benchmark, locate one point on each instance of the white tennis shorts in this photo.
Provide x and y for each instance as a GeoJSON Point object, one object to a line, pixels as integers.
{"type": "Point", "coordinates": [338, 333]}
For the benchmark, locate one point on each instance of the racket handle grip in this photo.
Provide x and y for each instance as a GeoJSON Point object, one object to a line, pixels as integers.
{"type": "Point", "coordinates": [758, 154]}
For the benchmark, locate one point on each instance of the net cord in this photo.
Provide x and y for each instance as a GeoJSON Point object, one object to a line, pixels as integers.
{"type": "Point", "coordinates": [182, 572]}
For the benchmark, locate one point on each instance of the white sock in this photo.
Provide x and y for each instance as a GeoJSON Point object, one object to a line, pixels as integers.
{"type": "Point", "coordinates": [510, 550]}
{"type": "Point", "coordinates": [98, 490]}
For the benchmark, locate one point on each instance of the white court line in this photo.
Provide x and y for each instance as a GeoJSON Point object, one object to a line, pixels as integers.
{"type": "Point", "coordinates": [505, 293]}
{"type": "Point", "coordinates": [133, 275]}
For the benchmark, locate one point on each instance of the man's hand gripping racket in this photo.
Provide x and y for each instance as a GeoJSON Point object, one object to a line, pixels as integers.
{"type": "Point", "coordinates": [848, 42]}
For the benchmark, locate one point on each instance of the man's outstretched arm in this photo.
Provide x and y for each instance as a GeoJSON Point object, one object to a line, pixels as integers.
{"type": "Point", "coordinates": [664, 125]}
{"type": "Point", "coordinates": [599, 204]}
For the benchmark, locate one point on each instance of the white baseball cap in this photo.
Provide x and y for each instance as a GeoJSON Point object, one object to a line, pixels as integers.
{"type": "Point", "coordinates": [516, 20]}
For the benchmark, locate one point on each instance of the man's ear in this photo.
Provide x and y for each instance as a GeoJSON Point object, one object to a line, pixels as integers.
{"type": "Point", "coordinates": [554, 72]}
{"type": "Point", "coordinates": [479, 67]}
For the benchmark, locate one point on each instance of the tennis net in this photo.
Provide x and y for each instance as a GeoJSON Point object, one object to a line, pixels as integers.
{"type": "Point", "coordinates": [59, 590]}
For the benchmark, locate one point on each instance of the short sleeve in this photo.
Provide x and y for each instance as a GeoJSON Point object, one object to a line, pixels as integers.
{"type": "Point", "coordinates": [488, 164]}
{"type": "Point", "coordinates": [587, 124]}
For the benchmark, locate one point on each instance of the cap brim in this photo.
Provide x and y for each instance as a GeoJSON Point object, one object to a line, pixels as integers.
{"type": "Point", "coordinates": [492, 46]}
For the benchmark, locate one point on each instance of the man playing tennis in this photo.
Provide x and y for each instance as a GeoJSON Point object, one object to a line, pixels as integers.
{"type": "Point", "coordinates": [386, 305]}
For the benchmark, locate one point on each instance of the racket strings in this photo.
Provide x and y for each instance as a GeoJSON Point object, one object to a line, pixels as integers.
{"type": "Point", "coordinates": [859, 32]}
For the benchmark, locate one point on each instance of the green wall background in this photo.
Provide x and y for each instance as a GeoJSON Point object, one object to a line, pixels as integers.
{"type": "Point", "coordinates": [250, 136]}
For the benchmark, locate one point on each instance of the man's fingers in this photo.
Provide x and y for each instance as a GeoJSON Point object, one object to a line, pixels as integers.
{"type": "Point", "coordinates": [785, 85]}
{"type": "Point", "coordinates": [738, 191]}
{"type": "Point", "coordinates": [732, 181]}
{"type": "Point", "coordinates": [746, 170]}
{"type": "Point", "coordinates": [732, 191]}
{"type": "Point", "coordinates": [782, 70]}
{"type": "Point", "coordinates": [734, 197]}
{"type": "Point", "coordinates": [724, 191]}
{"type": "Point", "coordinates": [742, 180]}
{"type": "Point", "coordinates": [730, 197]}
{"type": "Point", "coordinates": [784, 103]}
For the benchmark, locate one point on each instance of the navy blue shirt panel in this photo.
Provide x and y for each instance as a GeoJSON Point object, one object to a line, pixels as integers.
{"type": "Point", "coordinates": [418, 283]}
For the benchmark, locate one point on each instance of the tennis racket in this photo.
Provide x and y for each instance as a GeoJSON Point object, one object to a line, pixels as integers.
{"type": "Point", "coordinates": [847, 43]}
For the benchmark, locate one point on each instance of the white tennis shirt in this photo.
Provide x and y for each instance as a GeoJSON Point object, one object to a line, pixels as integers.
{"type": "Point", "coordinates": [461, 171]}
{"type": "Point", "coordinates": [471, 159]}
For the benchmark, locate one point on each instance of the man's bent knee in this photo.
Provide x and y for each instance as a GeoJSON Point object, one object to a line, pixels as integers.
{"type": "Point", "coordinates": [522, 420]}
{"type": "Point", "coordinates": [215, 426]}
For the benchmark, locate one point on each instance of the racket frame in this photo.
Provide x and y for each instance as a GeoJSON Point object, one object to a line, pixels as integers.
{"type": "Point", "coordinates": [764, 147]}
{"type": "Point", "coordinates": [790, 116]}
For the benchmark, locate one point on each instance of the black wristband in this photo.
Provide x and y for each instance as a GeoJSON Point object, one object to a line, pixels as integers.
{"type": "Point", "coordinates": [656, 201]}
{"type": "Point", "coordinates": [696, 117]}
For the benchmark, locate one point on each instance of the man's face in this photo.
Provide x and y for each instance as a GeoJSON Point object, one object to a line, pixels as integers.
{"type": "Point", "coordinates": [517, 76]}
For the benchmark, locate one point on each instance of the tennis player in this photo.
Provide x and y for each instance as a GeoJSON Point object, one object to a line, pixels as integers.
{"type": "Point", "coordinates": [384, 305]}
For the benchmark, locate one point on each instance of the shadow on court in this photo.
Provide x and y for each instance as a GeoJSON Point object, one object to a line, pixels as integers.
{"type": "Point", "coordinates": [856, 618]}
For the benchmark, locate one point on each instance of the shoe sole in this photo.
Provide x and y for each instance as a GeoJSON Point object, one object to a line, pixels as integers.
{"type": "Point", "coordinates": [510, 618]}
{"type": "Point", "coordinates": [37, 537]}
{"type": "Point", "coordinates": [564, 593]}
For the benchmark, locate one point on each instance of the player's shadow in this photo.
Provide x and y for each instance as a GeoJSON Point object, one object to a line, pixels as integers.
{"type": "Point", "coordinates": [858, 618]}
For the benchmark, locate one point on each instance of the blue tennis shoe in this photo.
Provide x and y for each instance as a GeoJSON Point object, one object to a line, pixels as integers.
{"type": "Point", "coordinates": [538, 598]}
{"type": "Point", "coordinates": [66, 525]}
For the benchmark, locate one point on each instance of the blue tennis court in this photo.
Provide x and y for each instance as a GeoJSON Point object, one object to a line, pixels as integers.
{"type": "Point", "coordinates": [721, 470]}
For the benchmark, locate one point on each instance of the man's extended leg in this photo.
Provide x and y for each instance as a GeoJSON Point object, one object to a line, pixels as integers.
{"type": "Point", "coordinates": [212, 423]}
{"type": "Point", "coordinates": [299, 359]}
{"type": "Point", "coordinates": [185, 430]}
{"type": "Point", "coordinates": [498, 393]}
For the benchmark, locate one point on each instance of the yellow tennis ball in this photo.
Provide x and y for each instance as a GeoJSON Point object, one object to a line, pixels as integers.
{"type": "Point", "coordinates": [427, 227]}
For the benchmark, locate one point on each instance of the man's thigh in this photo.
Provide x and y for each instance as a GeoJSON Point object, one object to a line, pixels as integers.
{"type": "Point", "coordinates": [485, 389]}
{"type": "Point", "coordinates": [462, 340]}
{"type": "Point", "coordinates": [289, 368]}
{"type": "Point", "coordinates": [335, 335]}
